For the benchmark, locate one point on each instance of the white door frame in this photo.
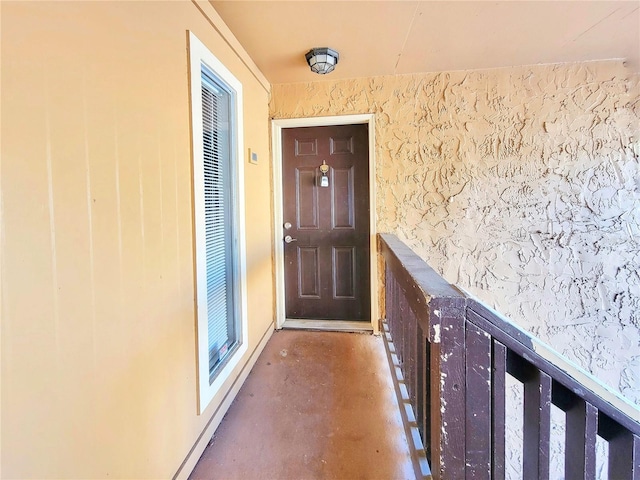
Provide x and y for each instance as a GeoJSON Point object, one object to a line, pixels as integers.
{"type": "Point", "coordinates": [276, 142]}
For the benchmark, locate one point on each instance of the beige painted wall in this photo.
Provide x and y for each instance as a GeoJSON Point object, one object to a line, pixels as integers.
{"type": "Point", "coordinates": [98, 322]}
{"type": "Point", "coordinates": [521, 185]}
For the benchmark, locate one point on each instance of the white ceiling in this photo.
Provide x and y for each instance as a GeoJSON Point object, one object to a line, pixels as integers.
{"type": "Point", "coordinates": [396, 37]}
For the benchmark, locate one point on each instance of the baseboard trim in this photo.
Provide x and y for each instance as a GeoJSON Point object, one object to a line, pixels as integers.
{"type": "Point", "coordinates": [201, 443]}
{"type": "Point", "coordinates": [328, 325]}
{"type": "Point", "coordinates": [418, 455]}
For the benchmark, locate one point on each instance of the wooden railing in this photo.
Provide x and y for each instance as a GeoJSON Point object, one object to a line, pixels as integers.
{"type": "Point", "coordinates": [456, 356]}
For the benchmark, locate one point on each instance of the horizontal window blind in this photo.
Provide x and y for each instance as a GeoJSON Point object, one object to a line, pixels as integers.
{"type": "Point", "coordinates": [217, 141]}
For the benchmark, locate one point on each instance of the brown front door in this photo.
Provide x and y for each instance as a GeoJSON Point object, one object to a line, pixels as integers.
{"type": "Point", "coordinates": [327, 221]}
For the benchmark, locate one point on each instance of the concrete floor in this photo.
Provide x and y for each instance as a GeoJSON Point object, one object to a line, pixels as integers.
{"type": "Point", "coordinates": [317, 405]}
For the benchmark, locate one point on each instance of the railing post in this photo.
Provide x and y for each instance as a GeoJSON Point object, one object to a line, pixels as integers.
{"type": "Point", "coordinates": [580, 441]}
{"type": "Point", "coordinates": [624, 462]}
{"type": "Point", "coordinates": [624, 449]}
{"type": "Point", "coordinates": [537, 426]}
{"type": "Point", "coordinates": [447, 379]}
{"type": "Point", "coordinates": [478, 397]}
{"type": "Point", "coordinates": [498, 409]}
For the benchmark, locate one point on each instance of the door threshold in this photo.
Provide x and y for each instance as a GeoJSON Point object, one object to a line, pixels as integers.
{"type": "Point", "coordinates": [329, 325]}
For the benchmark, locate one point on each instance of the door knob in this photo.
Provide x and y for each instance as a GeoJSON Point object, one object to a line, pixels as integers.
{"type": "Point", "coordinates": [289, 239]}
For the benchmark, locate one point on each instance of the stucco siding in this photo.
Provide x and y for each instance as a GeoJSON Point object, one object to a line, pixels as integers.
{"type": "Point", "coordinates": [521, 185]}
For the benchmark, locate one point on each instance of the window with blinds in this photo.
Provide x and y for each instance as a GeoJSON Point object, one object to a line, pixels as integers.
{"type": "Point", "coordinates": [217, 139]}
{"type": "Point", "coordinates": [218, 209]}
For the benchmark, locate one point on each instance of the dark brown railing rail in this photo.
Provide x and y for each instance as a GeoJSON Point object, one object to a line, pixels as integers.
{"type": "Point", "coordinates": [456, 355]}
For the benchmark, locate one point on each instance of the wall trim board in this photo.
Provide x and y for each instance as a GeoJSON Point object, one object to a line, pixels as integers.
{"type": "Point", "coordinates": [215, 20]}
{"type": "Point", "coordinates": [190, 461]}
{"type": "Point", "coordinates": [276, 143]}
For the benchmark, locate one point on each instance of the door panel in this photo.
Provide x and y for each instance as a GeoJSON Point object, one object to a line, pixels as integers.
{"type": "Point", "coordinates": [306, 146]}
{"type": "Point", "coordinates": [344, 272]}
{"type": "Point", "coordinates": [308, 272]}
{"type": "Point", "coordinates": [342, 201]}
{"type": "Point", "coordinates": [306, 199]}
{"type": "Point", "coordinates": [327, 262]}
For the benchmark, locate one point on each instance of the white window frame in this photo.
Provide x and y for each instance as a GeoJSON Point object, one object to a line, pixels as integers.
{"type": "Point", "coordinates": [200, 55]}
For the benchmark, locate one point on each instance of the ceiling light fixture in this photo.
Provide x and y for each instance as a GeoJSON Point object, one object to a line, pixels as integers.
{"type": "Point", "coordinates": [322, 60]}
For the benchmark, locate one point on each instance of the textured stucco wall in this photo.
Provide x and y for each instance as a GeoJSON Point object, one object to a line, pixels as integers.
{"type": "Point", "coordinates": [521, 185]}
